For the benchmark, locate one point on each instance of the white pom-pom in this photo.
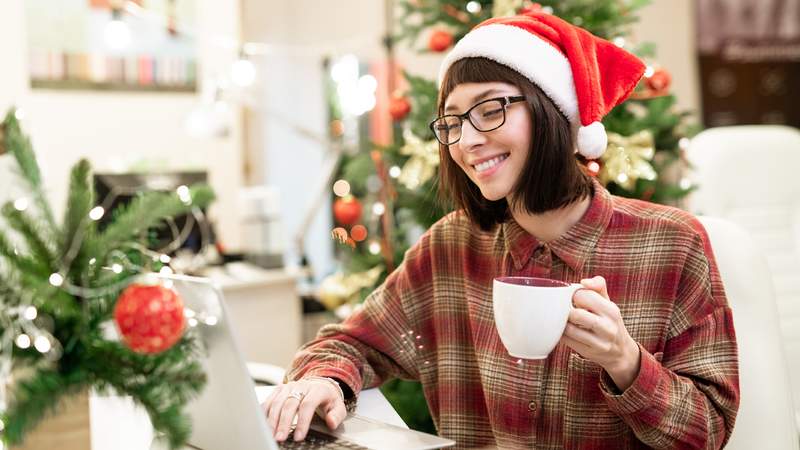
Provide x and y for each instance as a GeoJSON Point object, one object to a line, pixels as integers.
{"type": "Point", "coordinates": [592, 140]}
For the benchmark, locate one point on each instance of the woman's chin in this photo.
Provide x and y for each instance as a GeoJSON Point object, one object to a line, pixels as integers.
{"type": "Point", "coordinates": [493, 195]}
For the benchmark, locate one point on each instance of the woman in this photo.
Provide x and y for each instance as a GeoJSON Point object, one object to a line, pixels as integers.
{"type": "Point", "coordinates": [648, 357]}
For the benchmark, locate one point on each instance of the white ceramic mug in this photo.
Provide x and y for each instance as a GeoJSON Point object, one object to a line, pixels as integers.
{"type": "Point", "coordinates": [531, 313]}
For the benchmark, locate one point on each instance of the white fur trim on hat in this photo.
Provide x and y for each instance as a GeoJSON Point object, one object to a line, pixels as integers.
{"type": "Point", "coordinates": [526, 53]}
{"type": "Point", "coordinates": [592, 140]}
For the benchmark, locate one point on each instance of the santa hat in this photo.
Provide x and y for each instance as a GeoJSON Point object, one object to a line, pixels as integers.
{"type": "Point", "coordinates": [585, 76]}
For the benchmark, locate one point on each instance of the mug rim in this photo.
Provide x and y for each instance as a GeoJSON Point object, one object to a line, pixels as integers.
{"type": "Point", "coordinates": [545, 282]}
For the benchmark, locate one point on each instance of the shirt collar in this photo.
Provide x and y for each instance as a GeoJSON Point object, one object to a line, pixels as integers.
{"type": "Point", "coordinates": [576, 245]}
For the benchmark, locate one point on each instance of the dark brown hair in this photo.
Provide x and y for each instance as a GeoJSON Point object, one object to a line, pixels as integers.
{"type": "Point", "coordinates": [552, 176]}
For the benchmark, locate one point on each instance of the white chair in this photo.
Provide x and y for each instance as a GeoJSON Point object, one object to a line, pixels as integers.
{"type": "Point", "coordinates": [766, 419]}
{"type": "Point", "coordinates": [749, 175]}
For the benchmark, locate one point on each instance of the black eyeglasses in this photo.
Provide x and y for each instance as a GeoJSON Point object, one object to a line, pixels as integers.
{"type": "Point", "coordinates": [484, 116]}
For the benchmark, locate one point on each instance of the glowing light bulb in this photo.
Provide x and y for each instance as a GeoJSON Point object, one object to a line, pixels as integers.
{"type": "Point", "coordinates": [56, 279]}
{"type": "Point", "coordinates": [97, 213]}
{"type": "Point", "coordinates": [21, 204]}
{"type": "Point", "coordinates": [30, 313]}
{"type": "Point", "coordinates": [23, 341]}
{"type": "Point", "coordinates": [42, 344]}
{"type": "Point", "coordinates": [473, 7]}
{"type": "Point", "coordinates": [374, 247]}
{"type": "Point", "coordinates": [183, 194]}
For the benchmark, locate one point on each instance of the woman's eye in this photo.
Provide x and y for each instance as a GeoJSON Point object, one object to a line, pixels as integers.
{"type": "Point", "coordinates": [492, 112]}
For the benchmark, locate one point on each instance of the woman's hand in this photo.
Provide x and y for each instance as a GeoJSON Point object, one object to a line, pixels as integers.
{"type": "Point", "coordinates": [595, 330]}
{"type": "Point", "coordinates": [303, 398]}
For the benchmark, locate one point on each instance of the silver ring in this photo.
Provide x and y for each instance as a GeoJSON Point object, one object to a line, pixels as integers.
{"type": "Point", "coordinates": [297, 394]}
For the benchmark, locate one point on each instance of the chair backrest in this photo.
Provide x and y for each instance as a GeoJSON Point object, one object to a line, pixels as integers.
{"type": "Point", "coordinates": [747, 174]}
{"type": "Point", "coordinates": [766, 415]}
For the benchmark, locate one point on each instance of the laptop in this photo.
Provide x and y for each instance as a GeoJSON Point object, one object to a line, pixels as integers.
{"type": "Point", "coordinates": [227, 415]}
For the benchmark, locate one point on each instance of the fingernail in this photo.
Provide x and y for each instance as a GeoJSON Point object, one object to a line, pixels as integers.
{"type": "Point", "coordinates": [280, 436]}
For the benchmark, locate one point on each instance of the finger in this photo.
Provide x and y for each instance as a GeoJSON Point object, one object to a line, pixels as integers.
{"type": "Point", "coordinates": [287, 414]}
{"type": "Point", "coordinates": [590, 301]}
{"type": "Point", "coordinates": [275, 407]}
{"type": "Point", "coordinates": [336, 414]}
{"type": "Point", "coordinates": [583, 318]}
{"type": "Point", "coordinates": [581, 348]}
{"type": "Point", "coordinates": [597, 284]}
{"type": "Point", "coordinates": [587, 338]}
{"type": "Point", "coordinates": [268, 401]}
{"type": "Point", "coordinates": [305, 413]}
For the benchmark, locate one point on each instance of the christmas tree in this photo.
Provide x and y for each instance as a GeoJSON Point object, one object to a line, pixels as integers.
{"type": "Point", "coordinates": [644, 158]}
{"type": "Point", "coordinates": [63, 287]}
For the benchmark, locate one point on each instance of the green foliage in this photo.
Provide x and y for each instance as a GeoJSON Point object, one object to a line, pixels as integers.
{"type": "Point", "coordinates": [18, 144]}
{"type": "Point", "coordinates": [424, 94]}
{"type": "Point", "coordinates": [407, 399]}
{"type": "Point", "coordinates": [32, 248]}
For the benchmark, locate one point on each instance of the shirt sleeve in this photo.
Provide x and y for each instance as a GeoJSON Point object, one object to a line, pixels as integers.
{"type": "Point", "coordinates": [687, 396]}
{"type": "Point", "coordinates": [373, 344]}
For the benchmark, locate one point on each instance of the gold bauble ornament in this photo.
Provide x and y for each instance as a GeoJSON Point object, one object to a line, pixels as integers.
{"type": "Point", "coordinates": [422, 164]}
{"type": "Point", "coordinates": [627, 159]}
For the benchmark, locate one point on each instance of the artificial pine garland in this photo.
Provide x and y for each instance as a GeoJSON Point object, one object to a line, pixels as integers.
{"type": "Point", "coordinates": [62, 270]}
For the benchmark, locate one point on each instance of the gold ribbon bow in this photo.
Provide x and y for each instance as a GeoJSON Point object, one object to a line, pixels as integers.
{"type": "Point", "coordinates": [422, 164]}
{"type": "Point", "coordinates": [338, 289]}
{"type": "Point", "coordinates": [627, 159]}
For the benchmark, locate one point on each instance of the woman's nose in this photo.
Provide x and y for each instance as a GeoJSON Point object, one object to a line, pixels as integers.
{"type": "Point", "coordinates": [471, 138]}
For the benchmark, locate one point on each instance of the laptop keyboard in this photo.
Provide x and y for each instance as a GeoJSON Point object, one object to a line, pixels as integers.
{"type": "Point", "coordinates": [316, 440]}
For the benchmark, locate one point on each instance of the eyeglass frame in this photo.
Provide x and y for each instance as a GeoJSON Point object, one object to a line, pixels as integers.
{"type": "Point", "coordinates": [507, 101]}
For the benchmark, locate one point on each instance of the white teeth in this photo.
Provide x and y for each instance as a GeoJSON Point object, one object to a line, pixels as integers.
{"type": "Point", "coordinates": [490, 163]}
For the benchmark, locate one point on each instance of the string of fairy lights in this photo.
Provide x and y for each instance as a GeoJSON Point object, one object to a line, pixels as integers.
{"type": "Point", "coordinates": [24, 327]}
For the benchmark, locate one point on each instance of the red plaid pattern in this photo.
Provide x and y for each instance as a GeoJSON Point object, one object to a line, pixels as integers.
{"type": "Point", "coordinates": [432, 321]}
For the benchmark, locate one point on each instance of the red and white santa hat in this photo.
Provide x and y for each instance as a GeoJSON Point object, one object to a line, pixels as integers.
{"type": "Point", "coordinates": [584, 75]}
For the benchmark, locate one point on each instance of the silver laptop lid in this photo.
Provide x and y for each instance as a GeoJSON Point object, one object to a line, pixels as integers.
{"type": "Point", "coordinates": [226, 415]}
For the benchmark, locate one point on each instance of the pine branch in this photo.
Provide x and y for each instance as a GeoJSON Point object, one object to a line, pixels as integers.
{"type": "Point", "coordinates": [36, 397]}
{"type": "Point", "coordinates": [18, 144]}
{"type": "Point", "coordinates": [149, 209]}
{"type": "Point", "coordinates": [38, 244]}
{"type": "Point", "coordinates": [15, 261]}
{"type": "Point", "coordinates": [161, 383]}
{"type": "Point", "coordinates": [79, 202]}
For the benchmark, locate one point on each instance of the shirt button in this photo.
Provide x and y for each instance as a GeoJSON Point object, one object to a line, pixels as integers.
{"type": "Point", "coordinates": [532, 406]}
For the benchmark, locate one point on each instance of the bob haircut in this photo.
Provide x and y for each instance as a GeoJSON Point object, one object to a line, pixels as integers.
{"type": "Point", "coordinates": [552, 176]}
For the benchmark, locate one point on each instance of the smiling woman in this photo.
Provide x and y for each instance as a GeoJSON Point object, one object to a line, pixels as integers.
{"type": "Point", "coordinates": [647, 357]}
{"type": "Point", "coordinates": [541, 172]}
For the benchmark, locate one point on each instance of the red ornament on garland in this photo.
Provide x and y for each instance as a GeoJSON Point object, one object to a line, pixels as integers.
{"type": "Point", "coordinates": [347, 210]}
{"type": "Point", "coordinates": [659, 81]}
{"type": "Point", "coordinates": [440, 40]}
{"type": "Point", "coordinates": [399, 107]}
{"type": "Point", "coordinates": [149, 318]}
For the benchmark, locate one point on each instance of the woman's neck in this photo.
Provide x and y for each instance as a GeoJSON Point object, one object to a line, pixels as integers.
{"type": "Point", "coordinates": [551, 225]}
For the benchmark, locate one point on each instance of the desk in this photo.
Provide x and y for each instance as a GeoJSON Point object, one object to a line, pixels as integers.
{"type": "Point", "coordinates": [117, 424]}
{"type": "Point", "coordinates": [265, 309]}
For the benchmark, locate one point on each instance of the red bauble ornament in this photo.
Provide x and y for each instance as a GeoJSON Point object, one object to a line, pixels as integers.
{"type": "Point", "coordinates": [399, 107]}
{"type": "Point", "coordinates": [347, 210]}
{"type": "Point", "coordinates": [659, 81]}
{"type": "Point", "coordinates": [440, 40]}
{"type": "Point", "coordinates": [149, 318]}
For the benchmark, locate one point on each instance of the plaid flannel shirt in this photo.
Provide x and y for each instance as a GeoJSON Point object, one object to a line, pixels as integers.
{"type": "Point", "coordinates": [432, 320]}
